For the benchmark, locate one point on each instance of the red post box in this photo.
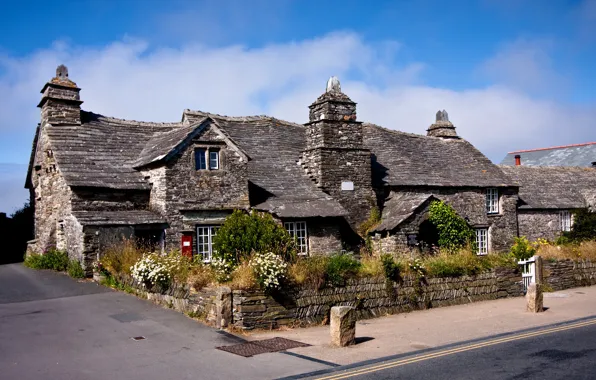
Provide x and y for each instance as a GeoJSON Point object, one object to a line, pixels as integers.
{"type": "Point", "coordinates": [186, 246]}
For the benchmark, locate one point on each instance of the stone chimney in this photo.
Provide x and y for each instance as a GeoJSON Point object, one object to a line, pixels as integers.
{"type": "Point", "coordinates": [442, 127]}
{"type": "Point", "coordinates": [60, 102]}
{"type": "Point", "coordinates": [517, 160]}
{"type": "Point", "coordinates": [335, 157]}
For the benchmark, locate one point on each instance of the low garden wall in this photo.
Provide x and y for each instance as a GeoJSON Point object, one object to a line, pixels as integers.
{"type": "Point", "coordinates": [565, 274]}
{"type": "Point", "coordinates": [372, 297]}
{"type": "Point", "coordinates": [179, 297]}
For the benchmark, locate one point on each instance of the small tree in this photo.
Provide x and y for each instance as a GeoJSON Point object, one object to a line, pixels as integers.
{"type": "Point", "coordinates": [243, 233]}
{"type": "Point", "coordinates": [454, 232]}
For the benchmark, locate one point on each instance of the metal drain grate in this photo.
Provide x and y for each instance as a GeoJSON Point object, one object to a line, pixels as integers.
{"type": "Point", "coordinates": [249, 349]}
{"type": "Point", "coordinates": [138, 338]}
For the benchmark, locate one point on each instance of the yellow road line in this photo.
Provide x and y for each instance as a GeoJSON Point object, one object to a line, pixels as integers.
{"type": "Point", "coordinates": [470, 347]}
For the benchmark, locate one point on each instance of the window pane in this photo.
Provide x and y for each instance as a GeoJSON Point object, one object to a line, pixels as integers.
{"type": "Point", "coordinates": [200, 159]}
{"type": "Point", "coordinates": [213, 160]}
{"type": "Point", "coordinates": [482, 241]}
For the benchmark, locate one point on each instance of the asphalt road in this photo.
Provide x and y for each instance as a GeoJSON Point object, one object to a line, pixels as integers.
{"type": "Point", "coordinates": [565, 351]}
{"type": "Point", "coordinates": [54, 327]}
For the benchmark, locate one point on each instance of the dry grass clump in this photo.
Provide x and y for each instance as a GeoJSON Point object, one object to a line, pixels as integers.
{"type": "Point", "coordinates": [200, 276]}
{"type": "Point", "coordinates": [585, 250]}
{"type": "Point", "coordinates": [309, 271]}
{"type": "Point", "coordinates": [120, 256]}
{"type": "Point", "coordinates": [372, 266]}
{"type": "Point", "coordinates": [243, 277]}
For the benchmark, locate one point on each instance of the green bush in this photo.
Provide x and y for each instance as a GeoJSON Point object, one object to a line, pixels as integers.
{"type": "Point", "coordinates": [340, 267]}
{"type": "Point", "coordinates": [75, 270]}
{"type": "Point", "coordinates": [522, 249]}
{"type": "Point", "coordinates": [454, 232]}
{"type": "Point", "coordinates": [373, 219]}
{"type": "Point", "coordinates": [53, 259]}
{"type": "Point", "coordinates": [243, 233]}
{"type": "Point", "coordinates": [391, 268]}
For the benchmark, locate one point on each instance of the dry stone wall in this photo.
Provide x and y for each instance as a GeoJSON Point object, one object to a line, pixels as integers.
{"type": "Point", "coordinates": [566, 274]}
{"type": "Point", "coordinates": [371, 297]}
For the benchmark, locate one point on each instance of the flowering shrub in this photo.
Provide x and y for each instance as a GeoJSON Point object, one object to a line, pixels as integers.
{"type": "Point", "coordinates": [417, 267]}
{"type": "Point", "coordinates": [269, 269]}
{"type": "Point", "coordinates": [222, 268]}
{"type": "Point", "coordinates": [151, 270]}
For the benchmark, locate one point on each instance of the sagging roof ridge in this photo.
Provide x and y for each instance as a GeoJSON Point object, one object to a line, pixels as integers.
{"type": "Point", "coordinates": [92, 116]}
{"type": "Point", "coordinates": [240, 118]}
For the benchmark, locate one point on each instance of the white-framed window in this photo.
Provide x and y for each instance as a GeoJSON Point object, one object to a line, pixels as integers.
{"type": "Point", "coordinates": [566, 220]}
{"type": "Point", "coordinates": [297, 230]}
{"type": "Point", "coordinates": [205, 235]}
{"type": "Point", "coordinates": [213, 160]}
{"type": "Point", "coordinates": [482, 241]}
{"type": "Point", "coordinates": [492, 200]}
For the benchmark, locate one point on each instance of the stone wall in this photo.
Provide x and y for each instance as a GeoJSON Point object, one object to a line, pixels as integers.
{"type": "Point", "coordinates": [188, 189]}
{"type": "Point", "coordinates": [372, 297]}
{"type": "Point", "coordinates": [565, 274]}
{"type": "Point", "coordinates": [52, 198]}
{"type": "Point", "coordinates": [324, 235]}
{"type": "Point", "coordinates": [536, 224]}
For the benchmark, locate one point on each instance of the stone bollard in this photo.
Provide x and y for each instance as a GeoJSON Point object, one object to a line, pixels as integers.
{"type": "Point", "coordinates": [534, 298]}
{"type": "Point", "coordinates": [343, 326]}
{"type": "Point", "coordinates": [223, 307]}
{"type": "Point", "coordinates": [539, 270]}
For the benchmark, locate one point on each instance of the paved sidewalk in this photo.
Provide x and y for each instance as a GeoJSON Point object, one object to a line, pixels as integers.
{"type": "Point", "coordinates": [417, 330]}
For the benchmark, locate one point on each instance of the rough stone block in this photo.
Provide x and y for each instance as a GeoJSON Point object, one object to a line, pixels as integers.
{"type": "Point", "coordinates": [343, 326]}
{"type": "Point", "coordinates": [534, 298]}
{"type": "Point", "coordinates": [223, 307]}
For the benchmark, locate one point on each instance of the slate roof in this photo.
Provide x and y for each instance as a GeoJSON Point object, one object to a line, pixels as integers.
{"type": "Point", "coordinates": [405, 159]}
{"type": "Point", "coordinates": [274, 147]}
{"type": "Point", "coordinates": [123, 217]}
{"type": "Point", "coordinates": [399, 208]}
{"type": "Point", "coordinates": [567, 155]}
{"type": "Point", "coordinates": [553, 187]}
{"type": "Point", "coordinates": [100, 151]}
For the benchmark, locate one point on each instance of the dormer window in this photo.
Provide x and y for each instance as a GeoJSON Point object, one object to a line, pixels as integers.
{"type": "Point", "coordinates": [206, 159]}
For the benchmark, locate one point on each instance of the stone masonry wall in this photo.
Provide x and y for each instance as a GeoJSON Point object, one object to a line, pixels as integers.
{"type": "Point", "coordinates": [330, 167]}
{"type": "Point", "coordinates": [52, 198]}
{"type": "Point", "coordinates": [323, 235]}
{"type": "Point", "coordinates": [372, 297]}
{"type": "Point", "coordinates": [568, 274]}
{"type": "Point", "coordinates": [191, 189]}
{"type": "Point", "coordinates": [536, 224]}
{"type": "Point", "coordinates": [470, 203]}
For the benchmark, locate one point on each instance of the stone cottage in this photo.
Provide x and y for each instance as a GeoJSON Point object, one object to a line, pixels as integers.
{"type": "Point", "coordinates": [94, 178]}
{"type": "Point", "coordinates": [549, 195]}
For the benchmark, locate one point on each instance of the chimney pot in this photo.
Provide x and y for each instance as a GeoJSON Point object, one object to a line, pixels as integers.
{"type": "Point", "coordinates": [517, 160]}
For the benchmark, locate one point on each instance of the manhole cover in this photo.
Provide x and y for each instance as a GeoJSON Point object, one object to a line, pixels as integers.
{"type": "Point", "coordinates": [249, 349]}
{"type": "Point", "coordinates": [280, 344]}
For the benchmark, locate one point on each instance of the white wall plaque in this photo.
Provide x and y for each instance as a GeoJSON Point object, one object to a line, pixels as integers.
{"type": "Point", "coordinates": [347, 185]}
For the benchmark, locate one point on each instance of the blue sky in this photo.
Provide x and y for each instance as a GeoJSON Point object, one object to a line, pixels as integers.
{"type": "Point", "coordinates": [512, 74]}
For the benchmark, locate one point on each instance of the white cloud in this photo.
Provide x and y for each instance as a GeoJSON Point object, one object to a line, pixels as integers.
{"type": "Point", "coordinates": [129, 80]}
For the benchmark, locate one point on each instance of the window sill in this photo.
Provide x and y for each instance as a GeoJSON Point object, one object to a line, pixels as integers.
{"type": "Point", "coordinates": [489, 214]}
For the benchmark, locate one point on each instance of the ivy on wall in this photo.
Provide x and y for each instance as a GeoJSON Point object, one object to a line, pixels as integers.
{"type": "Point", "coordinates": [454, 232]}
